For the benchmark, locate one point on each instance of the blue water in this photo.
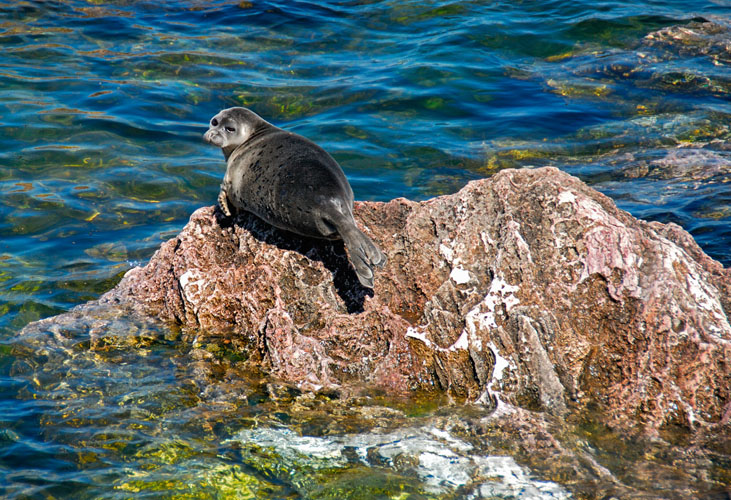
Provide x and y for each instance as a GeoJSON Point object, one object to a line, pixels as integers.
{"type": "Point", "coordinates": [103, 105]}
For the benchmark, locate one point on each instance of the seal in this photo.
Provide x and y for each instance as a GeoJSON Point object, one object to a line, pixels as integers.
{"type": "Point", "coordinates": [289, 182]}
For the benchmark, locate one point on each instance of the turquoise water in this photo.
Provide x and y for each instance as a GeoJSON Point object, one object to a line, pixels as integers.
{"type": "Point", "coordinates": [102, 109]}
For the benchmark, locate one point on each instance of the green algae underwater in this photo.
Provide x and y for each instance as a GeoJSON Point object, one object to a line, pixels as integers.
{"type": "Point", "coordinates": [102, 109]}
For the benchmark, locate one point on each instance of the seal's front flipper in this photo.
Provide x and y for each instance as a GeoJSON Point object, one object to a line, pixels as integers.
{"type": "Point", "coordinates": [223, 202]}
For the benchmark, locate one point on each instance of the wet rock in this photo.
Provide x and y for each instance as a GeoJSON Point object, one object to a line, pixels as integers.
{"type": "Point", "coordinates": [693, 164]}
{"type": "Point", "coordinates": [441, 461]}
{"type": "Point", "coordinates": [700, 37]}
{"type": "Point", "coordinates": [528, 289]}
{"type": "Point", "coordinates": [681, 165]}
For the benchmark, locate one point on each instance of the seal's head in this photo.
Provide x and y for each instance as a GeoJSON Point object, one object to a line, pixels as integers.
{"type": "Point", "coordinates": [232, 127]}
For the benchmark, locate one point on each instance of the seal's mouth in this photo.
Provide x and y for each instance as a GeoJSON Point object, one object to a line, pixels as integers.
{"type": "Point", "coordinates": [213, 137]}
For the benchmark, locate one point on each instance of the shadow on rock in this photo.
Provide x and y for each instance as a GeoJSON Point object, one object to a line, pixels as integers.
{"type": "Point", "coordinates": [331, 253]}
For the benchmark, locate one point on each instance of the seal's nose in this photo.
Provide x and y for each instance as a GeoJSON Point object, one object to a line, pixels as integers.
{"type": "Point", "coordinates": [213, 137]}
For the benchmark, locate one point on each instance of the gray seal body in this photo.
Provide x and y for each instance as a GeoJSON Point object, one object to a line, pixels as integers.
{"type": "Point", "coordinates": [289, 182]}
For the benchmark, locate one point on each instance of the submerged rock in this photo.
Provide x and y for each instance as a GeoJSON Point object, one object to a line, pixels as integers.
{"type": "Point", "coordinates": [526, 289]}
{"type": "Point", "coordinates": [441, 461]}
{"type": "Point", "coordinates": [700, 37]}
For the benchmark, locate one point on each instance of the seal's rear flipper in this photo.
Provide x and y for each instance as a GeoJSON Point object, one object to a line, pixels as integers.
{"type": "Point", "coordinates": [364, 255]}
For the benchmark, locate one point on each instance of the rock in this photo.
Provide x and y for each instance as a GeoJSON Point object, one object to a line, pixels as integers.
{"type": "Point", "coordinates": [700, 37]}
{"type": "Point", "coordinates": [442, 462]}
{"type": "Point", "coordinates": [527, 289]}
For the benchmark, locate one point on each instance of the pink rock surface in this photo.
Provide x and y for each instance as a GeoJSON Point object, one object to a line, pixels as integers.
{"type": "Point", "coordinates": [528, 288]}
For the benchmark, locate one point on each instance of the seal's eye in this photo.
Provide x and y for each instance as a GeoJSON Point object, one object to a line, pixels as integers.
{"type": "Point", "coordinates": [214, 122]}
{"type": "Point", "coordinates": [230, 129]}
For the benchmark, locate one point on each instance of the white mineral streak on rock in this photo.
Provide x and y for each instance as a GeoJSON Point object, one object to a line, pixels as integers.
{"type": "Point", "coordinates": [191, 284]}
{"type": "Point", "coordinates": [460, 276]}
{"type": "Point", "coordinates": [442, 461]}
{"type": "Point", "coordinates": [417, 334]}
{"type": "Point", "coordinates": [500, 363]}
{"type": "Point", "coordinates": [520, 242]}
{"type": "Point", "coordinates": [482, 316]}
{"type": "Point", "coordinates": [487, 241]}
{"type": "Point", "coordinates": [447, 252]}
{"type": "Point", "coordinates": [566, 197]}
{"type": "Point", "coordinates": [461, 343]}
{"type": "Point", "coordinates": [492, 391]}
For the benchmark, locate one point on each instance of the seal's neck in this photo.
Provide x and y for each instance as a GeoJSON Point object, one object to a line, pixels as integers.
{"type": "Point", "coordinates": [261, 128]}
{"type": "Point", "coordinates": [228, 150]}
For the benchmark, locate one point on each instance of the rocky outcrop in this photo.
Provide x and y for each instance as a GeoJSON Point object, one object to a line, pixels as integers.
{"type": "Point", "coordinates": [529, 289]}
